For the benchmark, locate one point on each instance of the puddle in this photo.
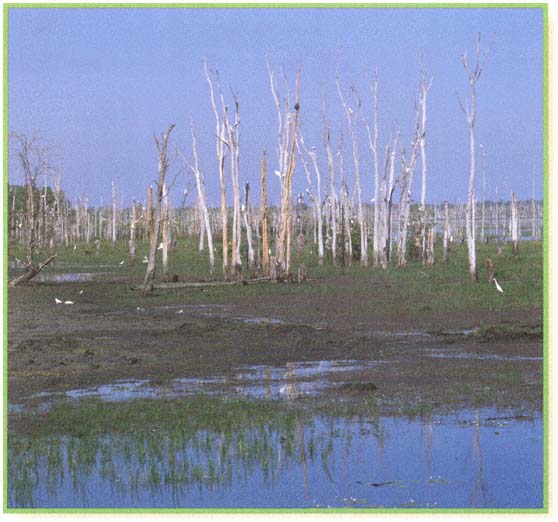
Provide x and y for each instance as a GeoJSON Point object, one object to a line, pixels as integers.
{"type": "Point", "coordinates": [444, 354]}
{"type": "Point", "coordinates": [294, 380]}
{"type": "Point", "coordinates": [70, 277]}
{"type": "Point", "coordinates": [284, 460]}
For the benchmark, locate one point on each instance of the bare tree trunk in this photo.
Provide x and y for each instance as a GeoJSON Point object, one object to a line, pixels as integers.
{"type": "Point", "coordinates": [283, 246]}
{"type": "Point", "coordinates": [265, 240]}
{"type": "Point", "coordinates": [162, 171]}
{"type": "Point", "coordinates": [350, 119]}
{"type": "Point", "coordinates": [220, 142]}
{"type": "Point", "coordinates": [151, 214]}
{"type": "Point", "coordinates": [422, 211]}
{"type": "Point", "coordinates": [382, 215]}
{"type": "Point", "coordinates": [315, 196]}
{"type": "Point", "coordinates": [470, 114]}
{"type": "Point", "coordinates": [514, 227]}
{"type": "Point", "coordinates": [373, 143]}
{"type": "Point", "coordinates": [333, 194]}
{"type": "Point", "coordinates": [430, 247]}
{"type": "Point", "coordinates": [248, 226]}
{"type": "Point", "coordinates": [165, 230]}
{"type": "Point", "coordinates": [31, 272]}
{"type": "Point", "coordinates": [406, 187]}
{"type": "Point", "coordinates": [133, 224]}
{"type": "Point", "coordinates": [205, 224]}
{"type": "Point", "coordinates": [113, 215]}
{"type": "Point", "coordinates": [445, 254]}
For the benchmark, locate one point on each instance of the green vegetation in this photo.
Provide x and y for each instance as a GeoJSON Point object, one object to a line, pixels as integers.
{"type": "Point", "coordinates": [416, 288]}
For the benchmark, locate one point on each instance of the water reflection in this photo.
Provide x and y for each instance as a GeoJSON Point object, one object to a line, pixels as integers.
{"type": "Point", "coordinates": [288, 460]}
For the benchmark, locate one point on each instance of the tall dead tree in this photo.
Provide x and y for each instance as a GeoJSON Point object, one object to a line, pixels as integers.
{"type": "Point", "coordinates": [470, 112]}
{"type": "Point", "coordinates": [388, 209]}
{"type": "Point", "coordinates": [513, 225]}
{"type": "Point", "coordinates": [447, 234]}
{"type": "Point", "coordinates": [220, 142]}
{"type": "Point", "coordinates": [424, 89]}
{"type": "Point", "coordinates": [114, 227]}
{"type": "Point", "coordinates": [265, 240]}
{"type": "Point", "coordinates": [408, 170]}
{"type": "Point", "coordinates": [233, 144]}
{"type": "Point", "coordinates": [205, 224]}
{"type": "Point", "coordinates": [133, 224]}
{"type": "Point", "coordinates": [373, 143]}
{"type": "Point", "coordinates": [349, 112]}
{"type": "Point", "coordinates": [162, 171]}
{"type": "Point", "coordinates": [246, 211]}
{"type": "Point", "coordinates": [287, 130]}
{"type": "Point", "coordinates": [332, 191]}
{"type": "Point", "coordinates": [24, 149]}
{"type": "Point", "coordinates": [314, 193]}
{"type": "Point", "coordinates": [165, 229]}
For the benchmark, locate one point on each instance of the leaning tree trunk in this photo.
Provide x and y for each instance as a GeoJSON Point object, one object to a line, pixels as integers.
{"type": "Point", "coordinates": [162, 170]}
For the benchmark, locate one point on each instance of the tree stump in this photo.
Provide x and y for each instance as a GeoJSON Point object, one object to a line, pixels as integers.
{"type": "Point", "coordinates": [301, 274]}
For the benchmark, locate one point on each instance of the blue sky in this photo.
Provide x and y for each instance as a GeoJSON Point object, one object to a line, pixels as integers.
{"type": "Point", "coordinates": [96, 84]}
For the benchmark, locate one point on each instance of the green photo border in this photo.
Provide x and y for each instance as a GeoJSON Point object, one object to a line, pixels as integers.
{"type": "Point", "coordinates": [361, 511]}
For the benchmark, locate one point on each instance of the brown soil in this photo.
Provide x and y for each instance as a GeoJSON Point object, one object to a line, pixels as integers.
{"type": "Point", "coordinates": [56, 347]}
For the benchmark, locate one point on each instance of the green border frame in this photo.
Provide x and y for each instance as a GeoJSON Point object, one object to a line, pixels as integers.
{"type": "Point", "coordinates": [360, 511]}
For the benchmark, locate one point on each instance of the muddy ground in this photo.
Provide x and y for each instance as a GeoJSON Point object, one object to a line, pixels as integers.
{"type": "Point", "coordinates": [432, 359]}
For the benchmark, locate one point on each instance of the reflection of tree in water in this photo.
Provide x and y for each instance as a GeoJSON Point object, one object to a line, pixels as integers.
{"type": "Point", "coordinates": [479, 486]}
{"type": "Point", "coordinates": [149, 462]}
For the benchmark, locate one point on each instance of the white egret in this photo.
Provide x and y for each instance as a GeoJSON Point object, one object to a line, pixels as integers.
{"type": "Point", "coordinates": [57, 301]}
{"type": "Point", "coordinates": [69, 302]}
{"type": "Point", "coordinates": [498, 287]}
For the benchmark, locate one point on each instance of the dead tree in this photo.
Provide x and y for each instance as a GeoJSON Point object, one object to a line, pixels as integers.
{"type": "Point", "coordinates": [424, 89]}
{"type": "Point", "coordinates": [265, 240]}
{"type": "Point", "coordinates": [446, 240]}
{"type": "Point", "coordinates": [314, 194]}
{"type": "Point", "coordinates": [133, 223]}
{"type": "Point", "coordinates": [332, 191]}
{"type": "Point", "coordinates": [373, 143]}
{"type": "Point", "coordinates": [469, 110]}
{"type": "Point", "coordinates": [24, 149]}
{"type": "Point", "coordinates": [165, 230]}
{"type": "Point", "coordinates": [205, 224]}
{"type": "Point", "coordinates": [162, 171]}
{"type": "Point", "coordinates": [248, 225]}
{"type": "Point", "coordinates": [114, 228]}
{"type": "Point", "coordinates": [220, 141]}
{"type": "Point", "coordinates": [382, 214]}
{"type": "Point", "coordinates": [513, 225]}
{"type": "Point", "coordinates": [287, 131]}
{"type": "Point", "coordinates": [388, 209]}
{"type": "Point", "coordinates": [408, 170]}
{"type": "Point", "coordinates": [352, 130]}
{"type": "Point", "coordinates": [233, 144]}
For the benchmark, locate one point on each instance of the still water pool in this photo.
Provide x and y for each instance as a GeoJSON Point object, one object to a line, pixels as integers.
{"type": "Point", "coordinates": [475, 459]}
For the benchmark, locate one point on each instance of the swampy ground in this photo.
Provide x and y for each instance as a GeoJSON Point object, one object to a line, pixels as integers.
{"type": "Point", "coordinates": [443, 342]}
{"type": "Point", "coordinates": [359, 388]}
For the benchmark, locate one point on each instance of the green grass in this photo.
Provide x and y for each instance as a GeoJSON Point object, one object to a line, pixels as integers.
{"type": "Point", "coordinates": [413, 289]}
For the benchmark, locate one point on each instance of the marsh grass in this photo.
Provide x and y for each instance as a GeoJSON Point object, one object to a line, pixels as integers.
{"type": "Point", "coordinates": [413, 289]}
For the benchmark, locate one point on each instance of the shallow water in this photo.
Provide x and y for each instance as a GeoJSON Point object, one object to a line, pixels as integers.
{"type": "Point", "coordinates": [292, 381]}
{"type": "Point", "coordinates": [68, 277]}
{"type": "Point", "coordinates": [476, 459]}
